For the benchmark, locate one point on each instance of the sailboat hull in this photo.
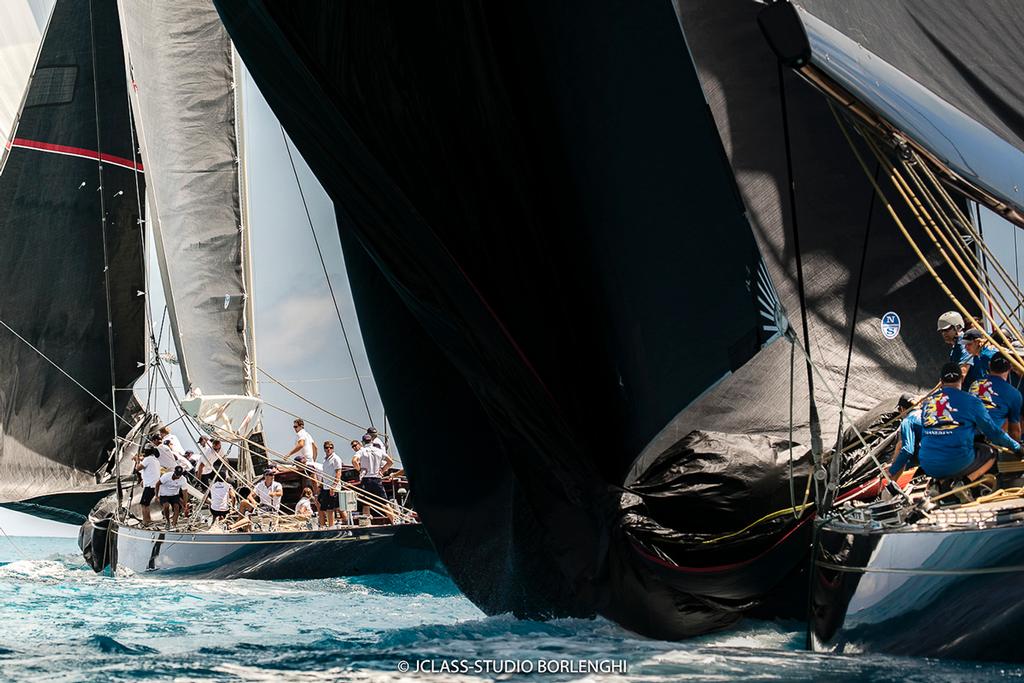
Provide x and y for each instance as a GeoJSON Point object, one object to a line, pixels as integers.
{"type": "Point", "coordinates": [270, 555]}
{"type": "Point", "coordinates": [945, 593]}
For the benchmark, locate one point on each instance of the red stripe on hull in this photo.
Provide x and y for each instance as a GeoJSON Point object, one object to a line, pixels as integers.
{"type": "Point", "coordinates": [76, 152]}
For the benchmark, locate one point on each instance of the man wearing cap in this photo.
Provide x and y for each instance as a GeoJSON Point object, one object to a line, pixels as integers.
{"type": "Point", "coordinates": [980, 355]}
{"type": "Point", "coordinates": [168, 487]}
{"type": "Point", "coordinates": [950, 417]}
{"type": "Point", "coordinates": [375, 438]}
{"type": "Point", "coordinates": [372, 462]}
{"type": "Point", "coordinates": [951, 326]}
{"type": "Point", "coordinates": [910, 435]}
{"type": "Point", "coordinates": [1001, 398]}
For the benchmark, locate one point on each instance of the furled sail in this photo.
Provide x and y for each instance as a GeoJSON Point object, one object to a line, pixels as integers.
{"type": "Point", "coordinates": [180, 62]}
{"type": "Point", "coordinates": [71, 262]}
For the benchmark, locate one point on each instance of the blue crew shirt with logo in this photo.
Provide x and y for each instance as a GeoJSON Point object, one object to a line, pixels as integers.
{"type": "Point", "coordinates": [958, 354]}
{"type": "Point", "coordinates": [949, 419]}
{"type": "Point", "coordinates": [979, 366]}
{"type": "Point", "coordinates": [910, 440]}
{"type": "Point", "coordinates": [1001, 399]}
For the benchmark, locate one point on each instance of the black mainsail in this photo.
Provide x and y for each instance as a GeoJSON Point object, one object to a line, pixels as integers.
{"type": "Point", "coordinates": [71, 268]}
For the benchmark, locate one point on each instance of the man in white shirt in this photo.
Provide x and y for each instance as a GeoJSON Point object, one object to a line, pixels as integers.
{"type": "Point", "coordinates": [304, 508]}
{"type": "Point", "coordinates": [164, 453]}
{"type": "Point", "coordinates": [222, 496]}
{"type": "Point", "coordinates": [168, 487]}
{"type": "Point", "coordinates": [328, 497]}
{"type": "Point", "coordinates": [372, 462]}
{"type": "Point", "coordinates": [269, 492]}
{"type": "Point", "coordinates": [210, 459]}
{"type": "Point", "coordinates": [171, 441]}
{"type": "Point", "coordinates": [148, 464]}
{"type": "Point", "coordinates": [305, 448]}
{"type": "Point", "coordinates": [375, 439]}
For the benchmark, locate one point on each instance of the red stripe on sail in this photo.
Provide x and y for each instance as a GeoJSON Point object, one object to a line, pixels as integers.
{"type": "Point", "coordinates": [76, 152]}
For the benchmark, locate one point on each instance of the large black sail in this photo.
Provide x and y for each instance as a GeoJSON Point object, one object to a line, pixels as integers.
{"type": "Point", "coordinates": [547, 252]}
{"type": "Point", "coordinates": [72, 254]}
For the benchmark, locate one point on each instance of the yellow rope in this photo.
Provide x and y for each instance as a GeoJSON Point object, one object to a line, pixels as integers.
{"type": "Point", "coordinates": [770, 516]}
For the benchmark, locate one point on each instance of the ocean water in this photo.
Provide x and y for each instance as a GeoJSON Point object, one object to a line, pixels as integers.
{"type": "Point", "coordinates": [61, 622]}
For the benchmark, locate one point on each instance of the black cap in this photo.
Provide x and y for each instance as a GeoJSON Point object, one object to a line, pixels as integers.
{"type": "Point", "coordinates": [149, 450]}
{"type": "Point", "coordinates": [367, 438]}
{"type": "Point", "coordinates": [179, 470]}
{"type": "Point", "coordinates": [371, 431]}
{"type": "Point", "coordinates": [973, 335]}
{"type": "Point", "coordinates": [951, 373]}
{"type": "Point", "coordinates": [906, 401]}
{"type": "Point", "coordinates": [999, 363]}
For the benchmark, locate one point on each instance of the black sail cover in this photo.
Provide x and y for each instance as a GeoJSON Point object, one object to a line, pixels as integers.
{"type": "Point", "coordinates": [551, 261]}
{"type": "Point", "coordinates": [69, 204]}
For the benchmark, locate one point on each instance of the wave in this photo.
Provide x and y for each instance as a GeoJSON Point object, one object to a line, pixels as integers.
{"type": "Point", "coordinates": [108, 645]}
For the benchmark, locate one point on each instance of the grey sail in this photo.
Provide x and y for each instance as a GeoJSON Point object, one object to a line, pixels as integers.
{"type": "Point", "coordinates": [180, 63]}
{"type": "Point", "coordinates": [71, 268]}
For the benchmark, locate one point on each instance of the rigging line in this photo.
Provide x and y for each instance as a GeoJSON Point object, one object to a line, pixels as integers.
{"type": "Point", "coordinates": [294, 393]}
{"type": "Point", "coordinates": [16, 548]}
{"type": "Point", "coordinates": [814, 425]}
{"type": "Point", "coordinates": [792, 381]}
{"type": "Point", "coordinates": [64, 372]}
{"type": "Point", "coordinates": [856, 306]}
{"type": "Point", "coordinates": [330, 287]}
{"type": "Point", "coordinates": [103, 218]}
{"type": "Point", "coordinates": [310, 422]}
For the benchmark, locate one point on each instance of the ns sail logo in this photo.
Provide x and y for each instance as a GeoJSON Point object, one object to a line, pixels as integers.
{"type": "Point", "coordinates": [890, 325]}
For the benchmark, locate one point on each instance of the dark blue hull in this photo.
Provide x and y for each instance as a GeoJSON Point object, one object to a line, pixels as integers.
{"type": "Point", "coordinates": [934, 593]}
{"type": "Point", "coordinates": [270, 555]}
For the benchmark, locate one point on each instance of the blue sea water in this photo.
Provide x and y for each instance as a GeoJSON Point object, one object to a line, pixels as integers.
{"type": "Point", "coordinates": [61, 622]}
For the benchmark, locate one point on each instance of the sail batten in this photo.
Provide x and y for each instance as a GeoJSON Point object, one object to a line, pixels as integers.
{"type": "Point", "coordinates": [184, 97]}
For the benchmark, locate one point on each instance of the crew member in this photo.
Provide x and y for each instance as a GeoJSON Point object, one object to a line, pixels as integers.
{"type": "Point", "coordinates": [168, 487]}
{"type": "Point", "coordinates": [372, 462]}
{"type": "Point", "coordinates": [171, 440]}
{"type": "Point", "coordinates": [222, 497]}
{"type": "Point", "coordinates": [375, 438]}
{"type": "Point", "coordinates": [269, 492]}
{"type": "Point", "coordinates": [980, 355]}
{"type": "Point", "coordinates": [305, 448]}
{"type": "Point", "coordinates": [149, 466]}
{"type": "Point", "coordinates": [910, 435]}
{"type": "Point", "coordinates": [304, 508]}
{"type": "Point", "coordinates": [949, 419]}
{"type": "Point", "coordinates": [951, 327]}
{"type": "Point", "coordinates": [1001, 398]}
{"type": "Point", "coordinates": [164, 453]}
{"type": "Point", "coordinates": [328, 497]}
{"type": "Point", "coordinates": [210, 459]}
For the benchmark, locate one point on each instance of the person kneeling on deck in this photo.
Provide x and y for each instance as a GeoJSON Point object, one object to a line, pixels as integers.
{"type": "Point", "coordinates": [372, 462]}
{"type": "Point", "coordinates": [328, 497]}
{"type": "Point", "coordinates": [950, 418]}
{"type": "Point", "coordinates": [910, 436]}
{"type": "Point", "coordinates": [269, 492]}
{"type": "Point", "coordinates": [222, 496]}
{"type": "Point", "coordinates": [149, 466]}
{"type": "Point", "coordinates": [1001, 398]}
{"type": "Point", "coordinates": [169, 489]}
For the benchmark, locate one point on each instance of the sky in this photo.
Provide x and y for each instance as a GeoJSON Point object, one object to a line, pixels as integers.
{"type": "Point", "coordinates": [299, 338]}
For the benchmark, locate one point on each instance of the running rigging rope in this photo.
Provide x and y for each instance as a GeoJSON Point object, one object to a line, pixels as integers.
{"type": "Point", "coordinates": [330, 287]}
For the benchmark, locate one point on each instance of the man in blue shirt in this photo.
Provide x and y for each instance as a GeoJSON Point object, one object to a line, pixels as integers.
{"type": "Point", "coordinates": [910, 435]}
{"type": "Point", "coordinates": [980, 355]}
{"type": "Point", "coordinates": [951, 327]}
{"type": "Point", "coordinates": [949, 419]}
{"type": "Point", "coordinates": [1001, 398]}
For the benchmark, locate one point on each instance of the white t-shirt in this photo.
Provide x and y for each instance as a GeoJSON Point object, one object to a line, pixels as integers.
{"type": "Point", "coordinates": [185, 463]}
{"type": "Point", "coordinates": [175, 444]}
{"type": "Point", "coordinates": [220, 492]}
{"type": "Point", "coordinates": [167, 457]}
{"type": "Point", "coordinates": [318, 473]}
{"type": "Point", "coordinates": [303, 507]}
{"type": "Point", "coordinates": [307, 444]}
{"type": "Point", "coordinates": [331, 467]}
{"type": "Point", "coordinates": [150, 471]}
{"type": "Point", "coordinates": [378, 443]}
{"type": "Point", "coordinates": [207, 457]}
{"type": "Point", "coordinates": [264, 492]}
{"type": "Point", "coordinates": [222, 454]}
{"type": "Point", "coordinates": [371, 459]}
{"type": "Point", "coordinates": [169, 486]}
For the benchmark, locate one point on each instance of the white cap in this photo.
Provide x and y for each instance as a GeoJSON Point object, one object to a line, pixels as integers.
{"type": "Point", "coordinates": [950, 319]}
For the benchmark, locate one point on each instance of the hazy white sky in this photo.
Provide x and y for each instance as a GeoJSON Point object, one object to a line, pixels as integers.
{"type": "Point", "coordinates": [298, 335]}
